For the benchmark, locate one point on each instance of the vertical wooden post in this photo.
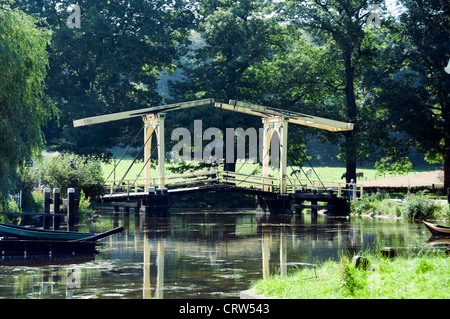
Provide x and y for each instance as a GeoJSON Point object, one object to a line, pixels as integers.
{"type": "Point", "coordinates": [314, 203]}
{"type": "Point", "coordinates": [283, 134]}
{"type": "Point", "coordinates": [70, 209]}
{"type": "Point", "coordinates": [265, 255]}
{"type": "Point", "coordinates": [160, 274]}
{"type": "Point", "coordinates": [154, 122]}
{"type": "Point", "coordinates": [283, 254]}
{"type": "Point", "coordinates": [56, 208]}
{"type": "Point", "coordinates": [272, 124]}
{"type": "Point", "coordinates": [267, 138]}
{"type": "Point", "coordinates": [161, 151]}
{"type": "Point", "coordinates": [47, 202]}
{"type": "Point", "coordinates": [148, 152]}
{"type": "Point", "coordinates": [146, 291]}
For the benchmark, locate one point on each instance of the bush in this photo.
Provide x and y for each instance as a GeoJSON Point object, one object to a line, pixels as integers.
{"type": "Point", "coordinates": [84, 173]}
{"type": "Point", "coordinates": [370, 203]}
{"type": "Point", "coordinates": [418, 206]}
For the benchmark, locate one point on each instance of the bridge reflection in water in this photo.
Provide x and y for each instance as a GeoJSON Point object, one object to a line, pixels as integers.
{"type": "Point", "coordinates": [201, 255]}
{"type": "Point", "coordinates": [228, 239]}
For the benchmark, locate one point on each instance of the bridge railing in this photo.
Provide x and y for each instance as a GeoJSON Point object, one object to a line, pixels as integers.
{"type": "Point", "coordinates": [237, 179]}
{"type": "Point", "coordinates": [251, 181]}
{"type": "Point", "coordinates": [340, 189]}
{"type": "Point", "coordinates": [176, 180]}
{"type": "Point", "coordinates": [190, 178]}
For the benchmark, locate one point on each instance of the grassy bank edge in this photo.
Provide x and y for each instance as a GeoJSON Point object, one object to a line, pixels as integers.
{"type": "Point", "coordinates": [414, 276]}
{"type": "Point", "coordinates": [417, 206]}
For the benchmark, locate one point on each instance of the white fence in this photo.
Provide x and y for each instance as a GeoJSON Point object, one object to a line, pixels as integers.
{"type": "Point", "coordinates": [17, 198]}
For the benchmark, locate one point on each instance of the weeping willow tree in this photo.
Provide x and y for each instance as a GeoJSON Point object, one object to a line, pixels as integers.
{"type": "Point", "coordinates": [24, 107]}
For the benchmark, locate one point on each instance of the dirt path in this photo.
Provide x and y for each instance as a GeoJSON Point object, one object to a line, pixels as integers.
{"type": "Point", "coordinates": [419, 179]}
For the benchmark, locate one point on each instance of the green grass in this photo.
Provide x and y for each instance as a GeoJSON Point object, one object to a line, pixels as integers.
{"type": "Point", "coordinates": [403, 277]}
{"type": "Point", "coordinates": [325, 173]}
{"type": "Point", "coordinates": [417, 206]}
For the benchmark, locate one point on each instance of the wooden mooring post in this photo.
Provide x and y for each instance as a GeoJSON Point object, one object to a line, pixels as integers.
{"type": "Point", "coordinates": [71, 209]}
{"type": "Point", "coordinates": [56, 208]}
{"type": "Point", "coordinates": [47, 201]}
{"type": "Point", "coordinates": [52, 218]}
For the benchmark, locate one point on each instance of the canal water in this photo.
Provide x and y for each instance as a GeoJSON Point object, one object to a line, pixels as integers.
{"type": "Point", "coordinates": [193, 255]}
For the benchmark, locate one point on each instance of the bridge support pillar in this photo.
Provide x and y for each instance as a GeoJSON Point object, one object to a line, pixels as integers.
{"type": "Point", "coordinates": [154, 123]}
{"type": "Point", "coordinates": [156, 203]}
{"type": "Point", "coordinates": [273, 204]}
{"type": "Point", "coordinates": [274, 124]}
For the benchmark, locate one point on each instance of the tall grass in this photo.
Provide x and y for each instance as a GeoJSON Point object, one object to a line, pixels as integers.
{"type": "Point", "coordinates": [425, 276]}
{"type": "Point", "coordinates": [411, 206]}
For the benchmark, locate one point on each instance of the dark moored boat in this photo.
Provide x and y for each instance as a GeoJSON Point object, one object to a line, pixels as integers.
{"type": "Point", "coordinates": [43, 244]}
{"type": "Point", "coordinates": [21, 232]}
{"type": "Point", "coordinates": [437, 229]}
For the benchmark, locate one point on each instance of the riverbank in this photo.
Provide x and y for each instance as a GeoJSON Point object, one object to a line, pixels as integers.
{"type": "Point", "coordinates": [420, 276]}
{"type": "Point", "coordinates": [411, 206]}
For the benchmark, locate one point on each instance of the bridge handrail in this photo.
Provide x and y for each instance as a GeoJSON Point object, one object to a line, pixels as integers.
{"type": "Point", "coordinates": [237, 174]}
{"type": "Point", "coordinates": [237, 178]}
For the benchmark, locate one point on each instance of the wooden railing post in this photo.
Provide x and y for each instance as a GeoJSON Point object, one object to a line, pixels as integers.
{"type": "Point", "coordinates": [47, 202]}
{"type": "Point", "coordinates": [56, 208]}
{"type": "Point", "coordinates": [70, 209]}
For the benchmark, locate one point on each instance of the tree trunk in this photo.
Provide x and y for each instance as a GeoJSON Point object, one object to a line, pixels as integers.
{"type": "Point", "coordinates": [447, 168]}
{"type": "Point", "coordinates": [350, 137]}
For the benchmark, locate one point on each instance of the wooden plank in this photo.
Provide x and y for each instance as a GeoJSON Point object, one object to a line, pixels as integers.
{"type": "Point", "coordinates": [193, 179]}
{"type": "Point", "coordinates": [29, 214]}
{"type": "Point", "coordinates": [190, 174]}
{"type": "Point", "coordinates": [237, 174]}
{"type": "Point", "coordinates": [141, 112]}
{"type": "Point", "coordinates": [189, 182]}
{"type": "Point", "coordinates": [244, 182]}
{"type": "Point", "coordinates": [294, 117]}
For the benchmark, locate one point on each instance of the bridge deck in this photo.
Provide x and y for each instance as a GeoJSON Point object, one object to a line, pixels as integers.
{"type": "Point", "coordinates": [267, 194]}
{"type": "Point", "coordinates": [220, 181]}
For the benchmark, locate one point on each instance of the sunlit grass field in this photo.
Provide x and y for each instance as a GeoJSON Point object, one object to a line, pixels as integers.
{"type": "Point", "coordinates": [322, 173]}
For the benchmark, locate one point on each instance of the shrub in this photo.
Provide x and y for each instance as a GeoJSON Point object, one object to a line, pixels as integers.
{"type": "Point", "coordinates": [418, 206]}
{"type": "Point", "coordinates": [369, 203]}
{"type": "Point", "coordinates": [84, 173]}
{"type": "Point", "coordinates": [351, 278]}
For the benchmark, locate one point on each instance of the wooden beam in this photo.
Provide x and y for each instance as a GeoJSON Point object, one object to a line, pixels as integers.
{"type": "Point", "coordinates": [294, 117]}
{"type": "Point", "coordinates": [136, 113]}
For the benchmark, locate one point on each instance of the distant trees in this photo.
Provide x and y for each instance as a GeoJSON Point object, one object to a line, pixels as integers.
{"type": "Point", "coordinates": [232, 36]}
{"type": "Point", "coordinates": [110, 64]}
{"type": "Point", "coordinates": [418, 90]}
{"type": "Point", "coordinates": [322, 70]}
{"type": "Point", "coordinates": [24, 107]}
{"type": "Point", "coordinates": [312, 56]}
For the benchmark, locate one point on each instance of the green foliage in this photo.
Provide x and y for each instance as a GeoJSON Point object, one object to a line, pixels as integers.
{"type": "Point", "coordinates": [110, 64]}
{"type": "Point", "coordinates": [412, 206]}
{"type": "Point", "coordinates": [386, 165]}
{"type": "Point", "coordinates": [375, 203]}
{"type": "Point", "coordinates": [9, 206]}
{"type": "Point", "coordinates": [83, 173]}
{"type": "Point", "coordinates": [348, 274]}
{"type": "Point", "coordinates": [416, 92]}
{"type": "Point", "coordinates": [411, 276]}
{"type": "Point", "coordinates": [24, 107]}
{"type": "Point", "coordinates": [418, 206]}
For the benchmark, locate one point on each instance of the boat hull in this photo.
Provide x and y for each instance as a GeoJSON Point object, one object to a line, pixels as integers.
{"type": "Point", "coordinates": [437, 229]}
{"type": "Point", "coordinates": [21, 232]}
{"type": "Point", "coordinates": [48, 248]}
